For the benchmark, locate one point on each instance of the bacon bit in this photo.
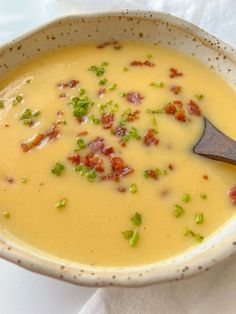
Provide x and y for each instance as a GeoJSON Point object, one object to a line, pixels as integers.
{"type": "Point", "coordinates": [107, 120]}
{"type": "Point", "coordinates": [60, 113]}
{"type": "Point", "coordinates": [35, 141]}
{"type": "Point", "coordinates": [134, 97]}
{"type": "Point", "coordinates": [108, 43]}
{"type": "Point", "coordinates": [107, 151]}
{"type": "Point", "coordinates": [101, 92]}
{"type": "Point", "coordinates": [75, 159]}
{"type": "Point", "coordinates": [51, 134]}
{"type": "Point", "coordinates": [193, 108]}
{"type": "Point", "coordinates": [121, 131]}
{"type": "Point", "coordinates": [10, 179]}
{"type": "Point", "coordinates": [119, 168]}
{"type": "Point", "coordinates": [174, 73]}
{"type": "Point", "coordinates": [96, 145]}
{"type": "Point", "coordinates": [82, 133]}
{"type": "Point", "coordinates": [70, 84]}
{"type": "Point", "coordinates": [232, 194]}
{"type": "Point", "coordinates": [122, 143]}
{"type": "Point", "coordinates": [73, 83]}
{"type": "Point", "coordinates": [152, 174]}
{"type": "Point", "coordinates": [142, 63]}
{"type": "Point", "coordinates": [171, 167]}
{"type": "Point", "coordinates": [122, 189]}
{"type": "Point", "coordinates": [175, 89]}
{"type": "Point", "coordinates": [170, 109]}
{"type": "Point", "coordinates": [111, 177]}
{"type": "Point", "coordinates": [133, 116]}
{"type": "Point", "coordinates": [93, 161]}
{"type": "Point", "coordinates": [180, 116]}
{"type": "Point", "coordinates": [205, 177]}
{"type": "Point", "coordinates": [149, 138]}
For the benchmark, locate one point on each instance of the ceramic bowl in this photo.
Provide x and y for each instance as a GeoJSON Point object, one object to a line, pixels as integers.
{"type": "Point", "coordinates": [142, 26]}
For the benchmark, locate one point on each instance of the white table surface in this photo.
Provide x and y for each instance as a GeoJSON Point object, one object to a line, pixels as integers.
{"type": "Point", "coordinates": [21, 291]}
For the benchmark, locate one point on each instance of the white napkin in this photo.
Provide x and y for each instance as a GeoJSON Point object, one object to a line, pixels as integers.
{"type": "Point", "coordinates": [208, 293]}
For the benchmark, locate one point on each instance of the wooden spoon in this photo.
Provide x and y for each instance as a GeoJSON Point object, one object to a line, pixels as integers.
{"type": "Point", "coordinates": [216, 145]}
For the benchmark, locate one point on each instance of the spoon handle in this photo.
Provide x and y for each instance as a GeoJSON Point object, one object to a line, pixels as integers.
{"type": "Point", "coordinates": [216, 145]}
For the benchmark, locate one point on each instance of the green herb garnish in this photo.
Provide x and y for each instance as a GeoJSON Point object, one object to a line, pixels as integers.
{"type": "Point", "coordinates": [186, 198]}
{"type": "Point", "coordinates": [122, 94]}
{"type": "Point", "coordinates": [178, 211]}
{"type": "Point", "coordinates": [112, 87]}
{"type": "Point", "coordinates": [81, 143]}
{"type": "Point", "coordinates": [6, 214]}
{"type": "Point", "coordinates": [199, 218]}
{"type": "Point", "coordinates": [134, 240]}
{"type": "Point", "coordinates": [137, 219]}
{"type": "Point", "coordinates": [109, 106]}
{"type": "Point", "coordinates": [128, 234]}
{"type": "Point", "coordinates": [102, 81]}
{"type": "Point", "coordinates": [197, 236]}
{"type": "Point", "coordinates": [61, 203]}
{"type": "Point", "coordinates": [125, 69]}
{"type": "Point", "coordinates": [98, 70]}
{"type": "Point", "coordinates": [133, 188]}
{"type": "Point", "coordinates": [91, 175]}
{"type": "Point", "coordinates": [58, 169]}
{"type": "Point", "coordinates": [24, 180]}
{"type": "Point", "coordinates": [157, 84]}
{"type": "Point", "coordinates": [149, 56]}
{"type": "Point", "coordinates": [198, 97]}
{"type": "Point", "coordinates": [80, 105]}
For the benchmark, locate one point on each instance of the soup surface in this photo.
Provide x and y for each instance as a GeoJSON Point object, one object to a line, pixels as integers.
{"type": "Point", "coordinates": [96, 158]}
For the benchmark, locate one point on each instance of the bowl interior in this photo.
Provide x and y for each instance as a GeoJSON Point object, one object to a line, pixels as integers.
{"type": "Point", "coordinates": [151, 27]}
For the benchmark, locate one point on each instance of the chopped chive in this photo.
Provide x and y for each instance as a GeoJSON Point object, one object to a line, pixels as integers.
{"type": "Point", "coordinates": [96, 121]}
{"type": "Point", "coordinates": [6, 214]}
{"type": "Point", "coordinates": [2, 106]}
{"type": "Point", "coordinates": [134, 133]}
{"type": "Point", "coordinates": [157, 84]}
{"type": "Point", "coordinates": [81, 169]}
{"type": "Point", "coordinates": [29, 81]}
{"type": "Point", "coordinates": [178, 211]}
{"type": "Point", "coordinates": [58, 169]}
{"type": "Point", "coordinates": [149, 56]}
{"type": "Point", "coordinates": [146, 175]}
{"type": "Point", "coordinates": [81, 143]}
{"type": "Point", "coordinates": [155, 111]}
{"type": "Point", "coordinates": [36, 113]}
{"type": "Point", "coordinates": [203, 196]}
{"type": "Point", "coordinates": [82, 91]}
{"type": "Point", "coordinates": [198, 97]}
{"type": "Point", "coordinates": [91, 175]}
{"type": "Point", "coordinates": [122, 94]}
{"type": "Point", "coordinates": [154, 121]}
{"type": "Point", "coordinates": [126, 138]}
{"type": "Point", "coordinates": [19, 98]}
{"type": "Point", "coordinates": [199, 218]}
{"type": "Point", "coordinates": [112, 87]}
{"type": "Point", "coordinates": [61, 203]}
{"type": "Point", "coordinates": [125, 69]}
{"type": "Point", "coordinates": [186, 198]}
{"type": "Point", "coordinates": [134, 240]}
{"type": "Point", "coordinates": [109, 106]}
{"type": "Point", "coordinates": [160, 172]}
{"type": "Point", "coordinates": [27, 121]}
{"type": "Point", "coordinates": [128, 234]}
{"type": "Point", "coordinates": [24, 180]}
{"type": "Point", "coordinates": [102, 81]}
{"type": "Point", "coordinates": [133, 188]}
{"type": "Point", "coordinates": [198, 237]}
{"type": "Point", "coordinates": [97, 70]}
{"type": "Point", "coordinates": [137, 219]}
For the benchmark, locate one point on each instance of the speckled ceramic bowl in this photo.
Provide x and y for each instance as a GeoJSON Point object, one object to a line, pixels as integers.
{"type": "Point", "coordinates": [154, 27]}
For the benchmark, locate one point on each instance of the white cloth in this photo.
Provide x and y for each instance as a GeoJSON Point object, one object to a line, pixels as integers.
{"type": "Point", "coordinates": [212, 292]}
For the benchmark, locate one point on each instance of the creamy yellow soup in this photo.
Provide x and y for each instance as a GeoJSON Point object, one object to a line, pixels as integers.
{"type": "Point", "coordinates": [96, 160]}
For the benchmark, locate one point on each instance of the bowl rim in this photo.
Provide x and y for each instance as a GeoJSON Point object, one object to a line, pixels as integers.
{"type": "Point", "coordinates": [86, 275]}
